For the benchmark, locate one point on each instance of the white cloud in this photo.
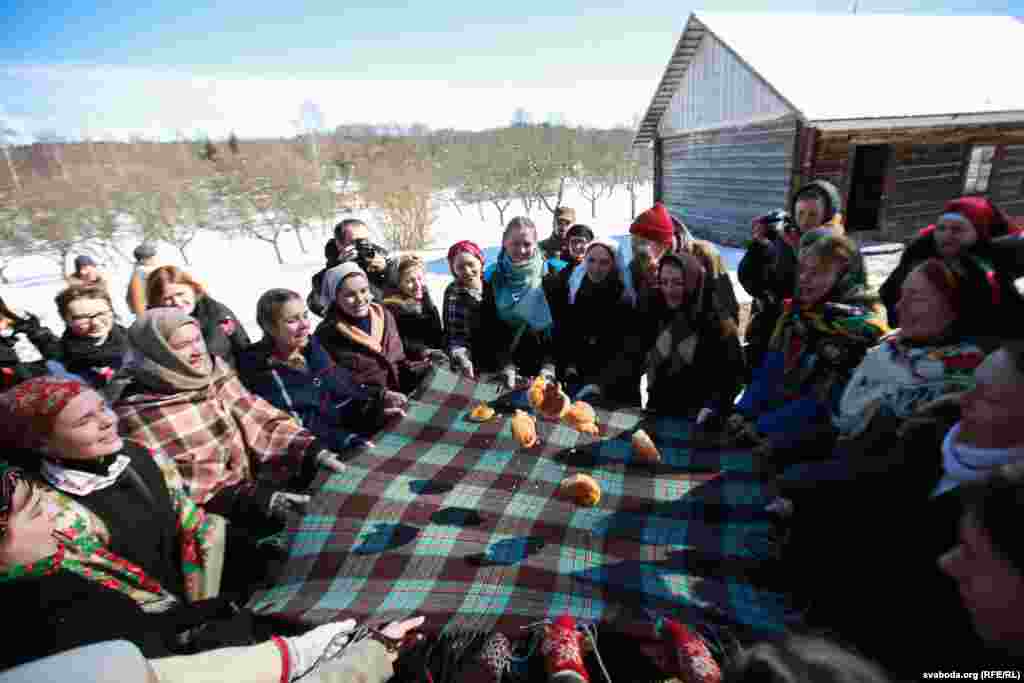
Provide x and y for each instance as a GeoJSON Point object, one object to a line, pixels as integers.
{"type": "Point", "coordinates": [155, 103]}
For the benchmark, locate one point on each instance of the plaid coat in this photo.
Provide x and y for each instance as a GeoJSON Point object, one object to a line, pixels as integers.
{"type": "Point", "coordinates": [217, 437]}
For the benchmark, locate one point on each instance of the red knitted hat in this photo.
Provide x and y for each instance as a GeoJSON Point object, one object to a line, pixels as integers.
{"type": "Point", "coordinates": [980, 212]}
{"type": "Point", "coordinates": [654, 224]}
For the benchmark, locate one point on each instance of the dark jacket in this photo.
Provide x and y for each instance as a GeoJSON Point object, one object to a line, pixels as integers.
{"type": "Point", "coordinates": [61, 611]}
{"type": "Point", "coordinates": [323, 397]}
{"type": "Point", "coordinates": [389, 369]}
{"type": "Point", "coordinates": [140, 516]}
{"type": "Point", "coordinates": [552, 246]}
{"type": "Point", "coordinates": [493, 340]}
{"type": "Point", "coordinates": [584, 339]}
{"type": "Point", "coordinates": [83, 358]}
{"type": "Point", "coordinates": [419, 330]}
{"type": "Point", "coordinates": [714, 377]}
{"type": "Point", "coordinates": [378, 281]}
{"type": "Point", "coordinates": [768, 273]}
{"type": "Point", "coordinates": [12, 371]}
{"type": "Point", "coordinates": [991, 308]}
{"type": "Point", "coordinates": [214, 317]}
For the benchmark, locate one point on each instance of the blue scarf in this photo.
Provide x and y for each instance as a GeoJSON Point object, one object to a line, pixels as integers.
{"type": "Point", "coordinates": [518, 293]}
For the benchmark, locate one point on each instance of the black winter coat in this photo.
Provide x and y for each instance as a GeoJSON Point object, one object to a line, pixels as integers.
{"type": "Point", "coordinates": [83, 358]}
{"type": "Point", "coordinates": [768, 273]}
{"type": "Point", "coordinates": [324, 397]}
{"type": "Point", "coordinates": [419, 330]}
{"type": "Point", "coordinates": [588, 331]}
{"type": "Point", "coordinates": [62, 611]}
{"type": "Point", "coordinates": [213, 317]}
{"type": "Point", "coordinates": [12, 371]}
{"type": "Point", "coordinates": [716, 374]}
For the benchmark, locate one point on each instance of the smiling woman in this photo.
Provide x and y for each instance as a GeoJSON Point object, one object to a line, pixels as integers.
{"type": "Point", "coordinates": [290, 369]}
{"type": "Point", "coordinates": [94, 346]}
{"type": "Point", "coordinates": [171, 286]}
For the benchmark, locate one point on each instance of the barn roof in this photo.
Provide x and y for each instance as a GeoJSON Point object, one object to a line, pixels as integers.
{"type": "Point", "coordinates": [853, 67]}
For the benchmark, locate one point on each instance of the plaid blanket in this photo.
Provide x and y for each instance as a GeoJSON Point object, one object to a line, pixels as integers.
{"type": "Point", "coordinates": [453, 520]}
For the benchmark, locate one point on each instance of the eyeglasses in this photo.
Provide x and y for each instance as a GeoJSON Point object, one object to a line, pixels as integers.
{"type": "Point", "coordinates": [83, 320]}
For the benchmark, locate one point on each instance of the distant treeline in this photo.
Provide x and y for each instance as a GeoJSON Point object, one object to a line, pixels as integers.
{"type": "Point", "coordinates": [59, 198]}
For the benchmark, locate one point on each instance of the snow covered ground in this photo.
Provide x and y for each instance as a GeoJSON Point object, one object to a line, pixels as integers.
{"type": "Point", "coordinates": [237, 271]}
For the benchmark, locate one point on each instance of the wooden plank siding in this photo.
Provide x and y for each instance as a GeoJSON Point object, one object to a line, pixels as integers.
{"type": "Point", "coordinates": [926, 169]}
{"type": "Point", "coordinates": [921, 179]}
{"type": "Point", "coordinates": [717, 181]}
{"type": "Point", "coordinates": [1006, 185]}
{"type": "Point", "coordinates": [718, 89]}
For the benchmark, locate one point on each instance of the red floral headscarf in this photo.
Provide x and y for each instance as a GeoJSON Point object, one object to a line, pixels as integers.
{"type": "Point", "coordinates": [29, 410]}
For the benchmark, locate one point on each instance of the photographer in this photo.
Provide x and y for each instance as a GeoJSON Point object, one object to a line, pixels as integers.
{"type": "Point", "coordinates": [768, 269]}
{"type": "Point", "coordinates": [352, 243]}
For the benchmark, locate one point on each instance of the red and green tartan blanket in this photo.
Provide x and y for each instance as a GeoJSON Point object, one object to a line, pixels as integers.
{"type": "Point", "coordinates": [451, 519]}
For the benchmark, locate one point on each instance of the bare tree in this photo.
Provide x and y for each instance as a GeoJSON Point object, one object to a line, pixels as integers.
{"type": "Point", "coordinates": [401, 185]}
{"type": "Point", "coordinates": [635, 167]}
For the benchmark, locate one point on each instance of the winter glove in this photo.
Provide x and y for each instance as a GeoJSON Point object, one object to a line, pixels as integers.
{"type": "Point", "coordinates": [461, 362]}
{"type": "Point", "coordinates": [589, 390]}
{"type": "Point", "coordinates": [312, 648]}
{"type": "Point", "coordinates": [548, 372]}
{"type": "Point", "coordinates": [330, 461]}
{"type": "Point", "coordinates": [283, 503]}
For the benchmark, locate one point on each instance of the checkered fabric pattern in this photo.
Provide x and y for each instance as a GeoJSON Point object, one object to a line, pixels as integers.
{"type": "Point", "coordinates": [217, 435]}
{"type": "Point", "coordinates": [452, 520]}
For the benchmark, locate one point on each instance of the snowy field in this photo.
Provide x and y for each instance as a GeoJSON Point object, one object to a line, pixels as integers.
{"type": "Point", "coordinates": [237, 271]}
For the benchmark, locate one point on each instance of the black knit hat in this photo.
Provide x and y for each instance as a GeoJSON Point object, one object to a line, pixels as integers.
{"type": "Point", "coordinates": [144, 251]}
{"type": "Point", "coordinates": [580, 230]}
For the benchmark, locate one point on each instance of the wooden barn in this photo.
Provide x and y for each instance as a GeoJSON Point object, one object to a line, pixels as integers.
{"type": "Point", "coordinates": [901, 113]}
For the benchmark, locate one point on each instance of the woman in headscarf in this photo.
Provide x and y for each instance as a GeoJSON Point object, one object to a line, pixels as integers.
{"type": "Point", "coordinates": [65, 573]}
{"type": "Point", "coordinates": [27, 348]}
{"type": "Point", "coordinates": [768, 269]}
{"type": "Point", "coordinates": [516, 323]}
{"type": "Point", "coordinates": [963, 234]}
{"type": "Point", "coordinates": [821, 336]}
{"type": "Point", "coordinates": [462, 299]}
{"type": "Point", "coordinates": [187, 403]}
{"type": "Point", "coordinates": [593, 295]}
{"type": "Point", "coordinates": [685, 344]}
{"type": "Point", "coordinates": [112, 495]}
{"type": "Point", "coordinates": [94, 347]}
{"type": "Point", "coordinates": [419, 323]}
{"type": "Point", "coordinates": [224, 335]}
{"type": "Point", "coordinates": [291, 370]}
{"type": "Point", "coordinates": [362, 335]}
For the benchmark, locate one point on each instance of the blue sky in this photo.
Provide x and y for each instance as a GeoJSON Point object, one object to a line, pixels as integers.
{"type": "Point", "coordinates": [115, 68]}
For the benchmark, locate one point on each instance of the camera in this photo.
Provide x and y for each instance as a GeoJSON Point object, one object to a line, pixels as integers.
{"type": "Point", "coordinates": [366, 251]}
{"type": "Point", "coordinates": [777, 221]}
